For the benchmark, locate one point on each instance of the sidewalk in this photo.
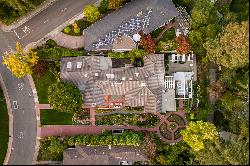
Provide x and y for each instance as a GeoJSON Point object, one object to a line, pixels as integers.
{"type": "Point", "coordinates": [67, 130]}
{"type": "Point", "coordinates": [68, 41]}
{"type": "Point", "coordinates": [27, 16]}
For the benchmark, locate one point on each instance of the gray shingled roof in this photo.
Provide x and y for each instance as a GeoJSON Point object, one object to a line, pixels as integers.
{"type": "Point", "coordinates": [102, 155]}
{"type": "Point", "coordinates": [141, 86]}
{"type": "Point", "coordinates": [146, 15]}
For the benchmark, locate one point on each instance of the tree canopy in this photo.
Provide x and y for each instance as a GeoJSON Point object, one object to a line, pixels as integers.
{"type": "Point", "coordinates": [197, 133]}
{"type": "Point", "coordinates": [64, 97]}
{"type": "Point", "coordinates": [19, 62]}
{"type": "Point", "coordinates": [230, 49]}
{"type": "Point", "coordinates": [91, 13]}
{"type": "Point", "coordinates": [223, 152]}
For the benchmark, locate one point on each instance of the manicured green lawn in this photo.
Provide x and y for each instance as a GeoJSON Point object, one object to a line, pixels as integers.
{"type": "Point", "coordinates": [42, 85]}
{"type": "Point", "coordinates": [53, 117]}
{"type": "Point", "coordinates": [4, 127]}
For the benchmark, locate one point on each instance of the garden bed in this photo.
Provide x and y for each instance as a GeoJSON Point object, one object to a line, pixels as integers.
{"type": "Point", "coordinates": [4, 127]}
{"type": "Point", "coordinates": [176, 118]}
{"type": "Point", "coordinates": [165, 132]}
{"type": "Point", "coordinates": [76, 29]}
{"type": "Point", "coordinates": [54, 117]}
{"type": "Point", "coordinates": [141, 120]}
{"type": "Point", "coordinates": [177, 133]}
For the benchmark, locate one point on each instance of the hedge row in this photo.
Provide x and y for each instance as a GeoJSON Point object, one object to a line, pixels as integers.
{"type": "Point", "coordinates": [56, 53]}
{"type": "Point", "coordinates": [127, 138]}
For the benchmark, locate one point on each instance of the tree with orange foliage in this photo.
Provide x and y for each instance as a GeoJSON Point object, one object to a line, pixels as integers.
{"type": "Point", "coordinates": [115, 4]}
{"type": "Point", "coordinates": [183, 46]}
{"type": "Point", "coordinates": [148, 43]}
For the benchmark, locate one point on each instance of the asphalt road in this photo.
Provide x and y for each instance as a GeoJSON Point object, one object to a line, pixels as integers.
{"type": "Point", "coordinates": [24, 118]}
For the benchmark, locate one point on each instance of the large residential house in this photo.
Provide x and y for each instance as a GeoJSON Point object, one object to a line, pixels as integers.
{"type": "Point", "coordinates": [105, 84]}
{"type": "Point", "coordinates": [117, 30]}
{"type": "Point", "coordinates": [104, 155]}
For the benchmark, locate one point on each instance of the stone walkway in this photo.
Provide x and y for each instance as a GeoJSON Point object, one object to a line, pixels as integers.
{"type": "Point", "coordinates": [68, 41]}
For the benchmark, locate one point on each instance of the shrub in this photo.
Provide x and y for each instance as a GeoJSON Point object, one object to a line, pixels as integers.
{"type": "Point", "coordinates": [51, 43]}
{"type": "Point", "coordinates": [67, 30]}
{"type": "Point", "coordinates": [91, 13]}
{"type": "Point", "coordinates": [64, 97]}
{"type": "Point", "coordinates": [77, 30]}
{"type": "Point", "coordinates": [103, 6]}
{"type": "Point", "coordinates": [115, 4]}
{"type": "Point", "coordinates": [82, 24]}
{"type": "Point", "coordinates": [55, 146]}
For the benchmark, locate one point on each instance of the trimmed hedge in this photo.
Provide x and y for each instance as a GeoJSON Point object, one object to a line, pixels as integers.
{"type": "Point", "coordinates": [56, 53]}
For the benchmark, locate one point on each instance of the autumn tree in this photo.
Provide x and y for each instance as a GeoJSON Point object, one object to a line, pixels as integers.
{"type": "Point", "coordinates": [91, 13]}
{"type": "Point", "coordinates": [199, 132]}
{"type": "Point", "coordinates": [115, 4]}
{"type": "Point", "coordinates": [183, 45]}
{"type": "Point", "coordinates": [19, 62]}
{"type": "Point", "coordinates": [231, 48]}
{"type": "Point", "coordinates": [148, 43]}
{"type": "Point", "coordinates": [64, 97]}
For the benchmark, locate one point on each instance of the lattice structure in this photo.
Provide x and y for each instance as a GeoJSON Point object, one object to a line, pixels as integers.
{"type": "Point", "coordinates": [127, 28]}
{"type": "Point", "coordinates": [183, 20]}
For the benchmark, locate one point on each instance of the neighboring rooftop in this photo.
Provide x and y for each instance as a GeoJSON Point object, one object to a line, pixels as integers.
{"type": "Point", "coordinates": [103, 155]}
{"type": "Point", "coordinates": [130, 19]}
{"type": "Point", "coordinates": [97, 80]}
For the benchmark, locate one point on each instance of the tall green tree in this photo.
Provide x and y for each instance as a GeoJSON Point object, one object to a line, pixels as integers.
{"type": "Point", "coordinates": [64, 97]}
{"type": "Point", "coordinates": [235, 151]}
{"type": "Point", "coordinates": [231, 48]}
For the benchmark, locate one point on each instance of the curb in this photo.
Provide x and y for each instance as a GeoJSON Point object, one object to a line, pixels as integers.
{"type": "Point", "coordinates": [7, 99]}
{"type": "Point", "coordinates": [27, 17]}
{"type": "Point", "coordinates": [38, 129]}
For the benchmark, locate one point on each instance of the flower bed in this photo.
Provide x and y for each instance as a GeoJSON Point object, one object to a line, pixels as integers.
{"type": "Point", "coordinates": [76, 28]}
{"type": "Point", "coordinates": [165, 132]}
{"type": "Point", "coordinates": [142, 120]}
{"type": "Point", "coordinates": [176, 118]}
{"type": "Point", "coordinates": [98, 111]}
{"type": "Point", "coordinates": [81, 117]}
{"type": "Point", "coordinates": [134, 109]}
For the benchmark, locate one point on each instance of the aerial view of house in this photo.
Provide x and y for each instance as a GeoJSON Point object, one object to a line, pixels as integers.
{"type": "Point", "coordinates": [124, 82]}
